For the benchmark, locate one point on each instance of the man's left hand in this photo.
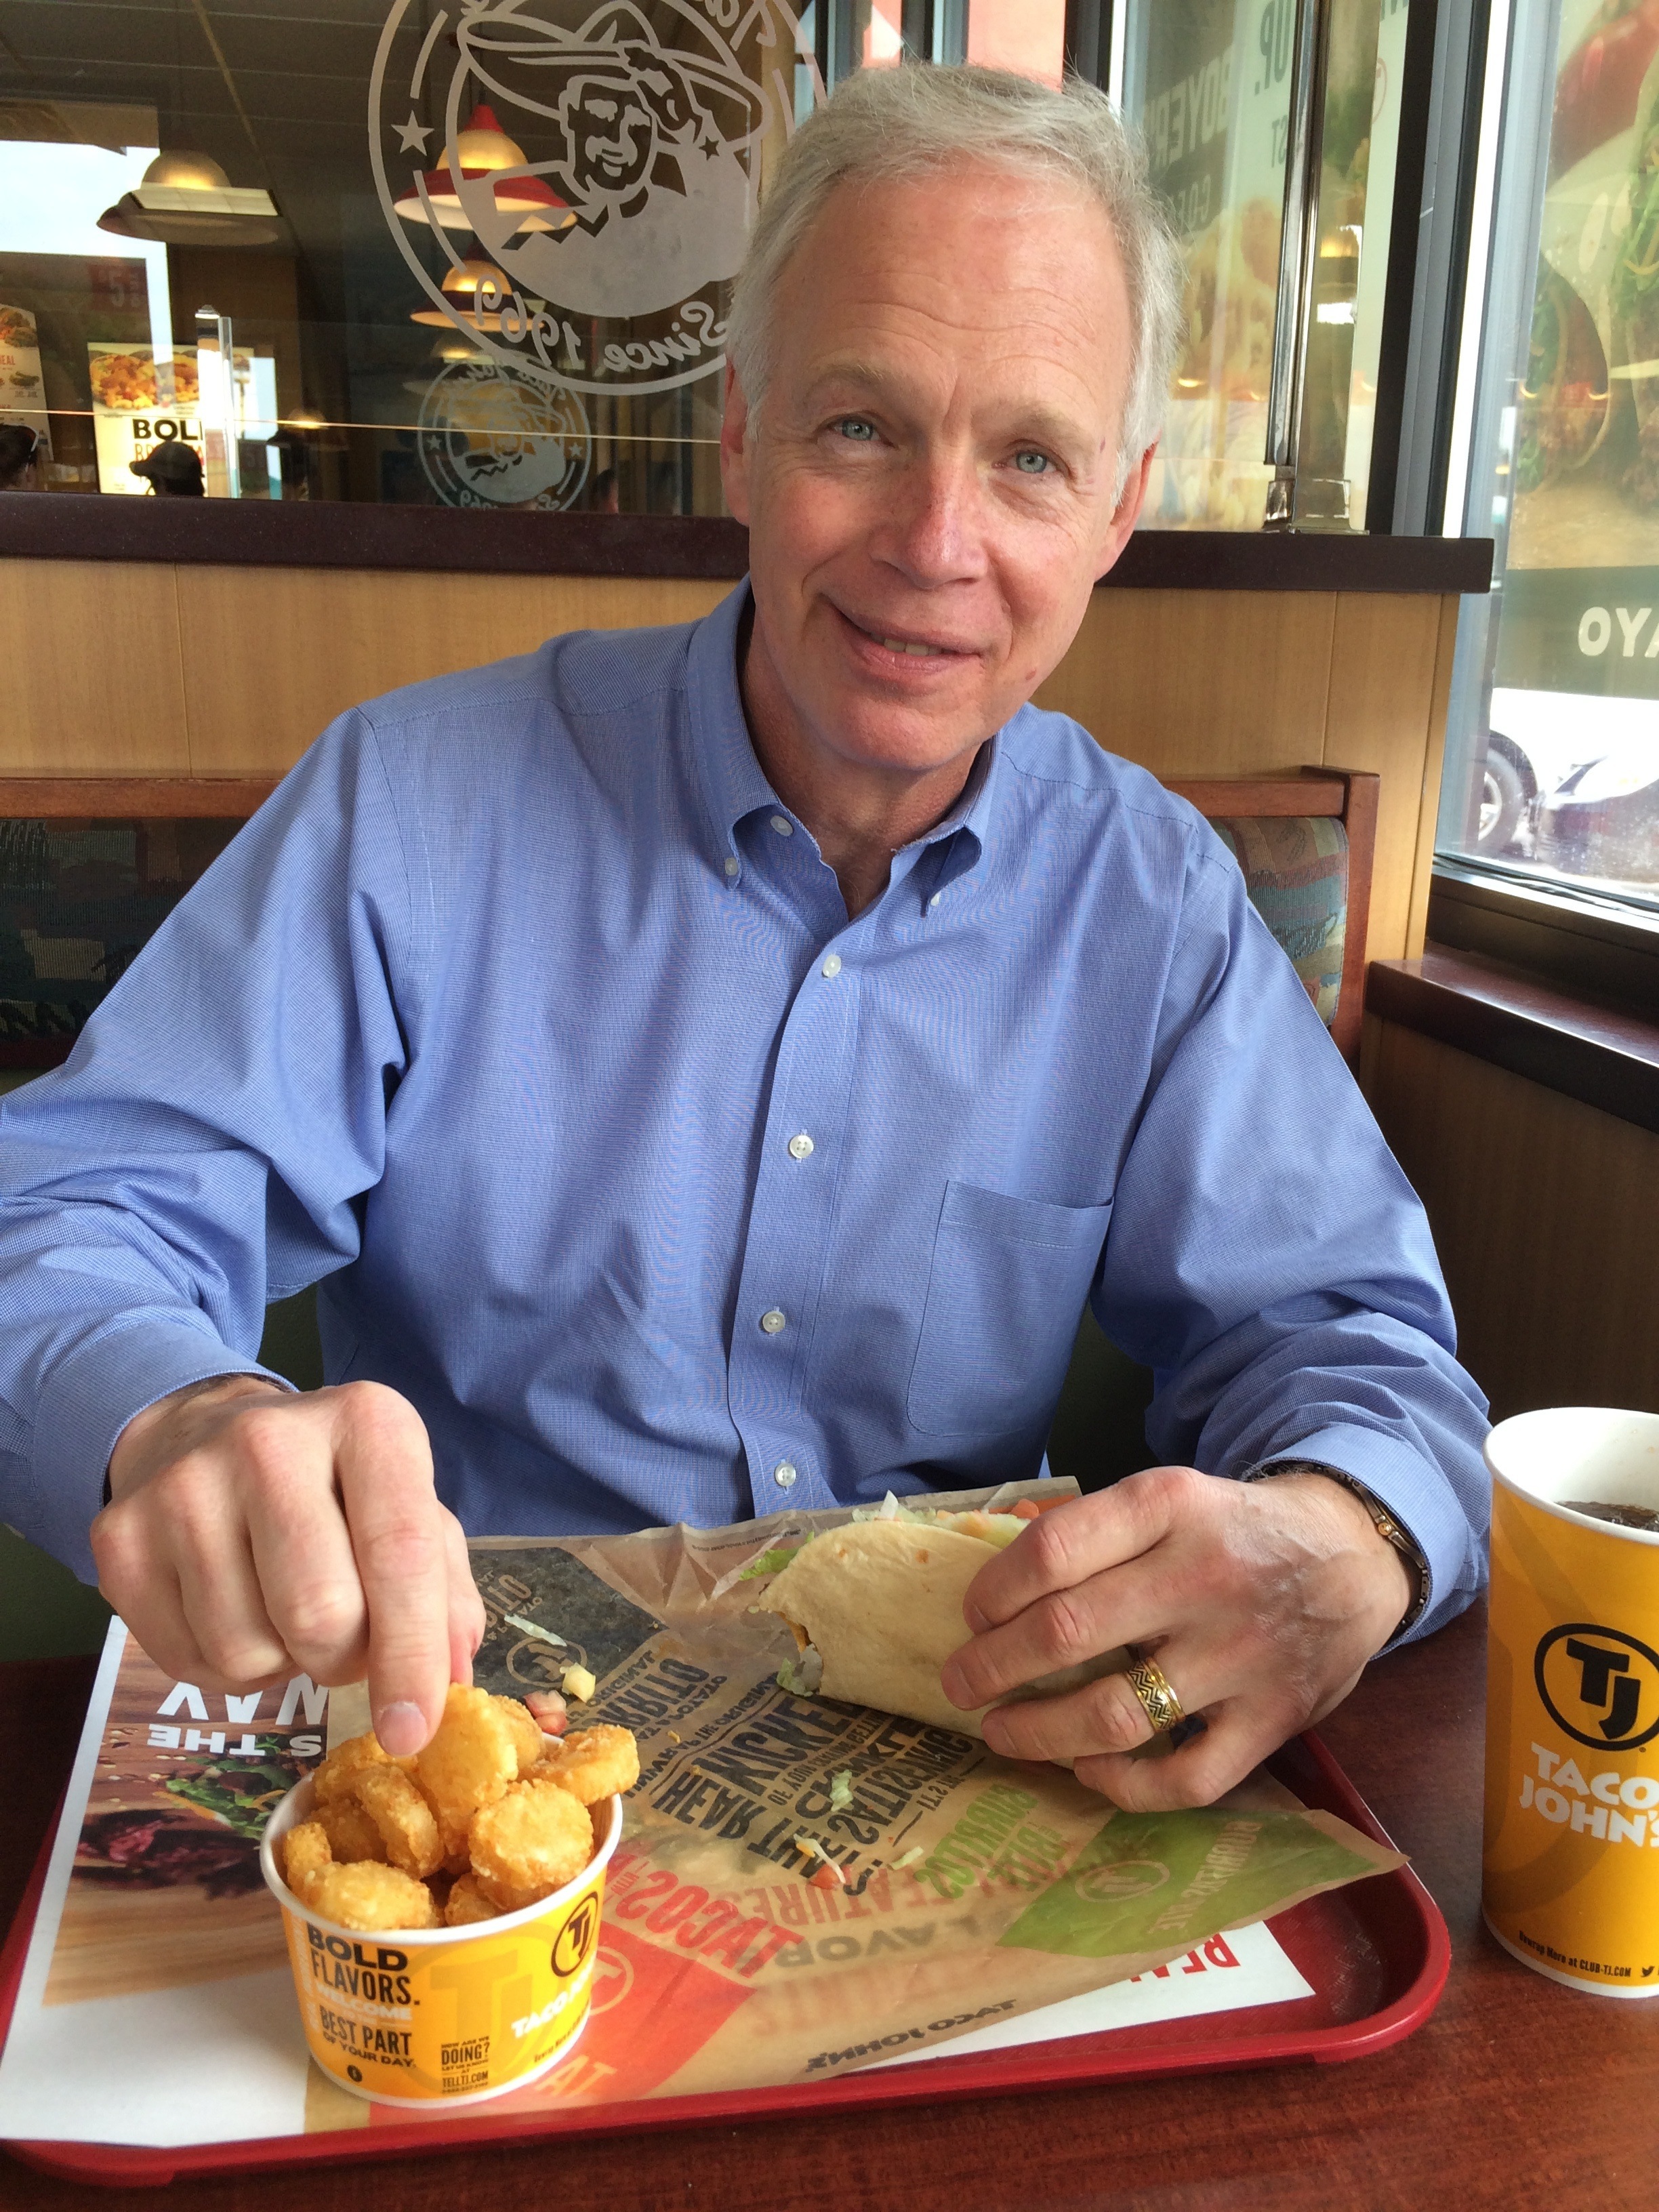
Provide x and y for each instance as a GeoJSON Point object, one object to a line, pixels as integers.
{"type": "Point", "coordinates": [1260, 1602]}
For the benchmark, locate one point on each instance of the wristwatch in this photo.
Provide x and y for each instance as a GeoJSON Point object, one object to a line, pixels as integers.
{"type": "Point", "coordinates": [1387, 1527]}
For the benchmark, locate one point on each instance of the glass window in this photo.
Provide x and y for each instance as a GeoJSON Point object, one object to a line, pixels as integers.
{"type": "Point", "coordinates": [1209, 83]}
{"type": "Point", "coordinates": [1552, 774]}
{"type": "Point", "coordinates": [386, 250]}
{"type": "Point", "coordinates": [394, 250]}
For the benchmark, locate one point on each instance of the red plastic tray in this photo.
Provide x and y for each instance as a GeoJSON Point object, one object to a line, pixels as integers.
{"type": "Point", "coordinates": [1375, 1952]}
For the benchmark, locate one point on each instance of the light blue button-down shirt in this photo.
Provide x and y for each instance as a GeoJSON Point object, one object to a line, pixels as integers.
{"type": "Point", "coordinates": [527, 1021]}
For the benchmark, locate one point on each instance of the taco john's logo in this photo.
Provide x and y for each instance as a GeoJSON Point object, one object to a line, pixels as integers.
{"type": "Point", "coordinates": [616, 186]}
{"type": "Point", "coordinates": [574, 1944]}
{"type": "Point", "coordinates": [1599, 1685]}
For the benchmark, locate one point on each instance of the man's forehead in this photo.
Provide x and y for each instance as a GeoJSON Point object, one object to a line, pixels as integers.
{"type": "Point", "coordinates": [1017, 268]}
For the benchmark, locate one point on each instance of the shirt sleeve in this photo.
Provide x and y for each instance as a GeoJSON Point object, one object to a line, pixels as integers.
{"type": "Point", "coordinates": [1269, 1261]}
{"type": "Point", "coordinates": [204, 1149]}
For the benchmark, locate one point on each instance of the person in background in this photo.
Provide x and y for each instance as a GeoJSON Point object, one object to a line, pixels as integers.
{"type": "Point", "coordinates": [20, 458]}
{"type": "Point", "coordinates": [604, 499]}
{"type": "Point", "coordinates": [173, 470]}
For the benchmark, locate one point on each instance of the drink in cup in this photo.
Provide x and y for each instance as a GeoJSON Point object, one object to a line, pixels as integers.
{"type": "Point", "coordinates": [1572, 1863]}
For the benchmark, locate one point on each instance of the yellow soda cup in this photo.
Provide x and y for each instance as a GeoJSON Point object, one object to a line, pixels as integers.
{"type": "Point", "coordinates": [444, 2015]}
{"type": "Point", "coordinates": [1572, 1859]}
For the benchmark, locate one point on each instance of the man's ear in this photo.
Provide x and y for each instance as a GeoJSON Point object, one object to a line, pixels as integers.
{"type": "Point", "coordinates": [734, 446]}
{"type": "Point", "coordinates": [1126, 513]}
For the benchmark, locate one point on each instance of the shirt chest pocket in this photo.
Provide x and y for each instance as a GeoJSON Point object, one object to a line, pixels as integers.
{"type": "Point", "coordinates": [1004, 1296]}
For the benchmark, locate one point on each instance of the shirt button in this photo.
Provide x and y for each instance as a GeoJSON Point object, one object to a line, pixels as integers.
{"type": "Point", "coordinates": [785, 1475]}
{"type": "Point", "coordinates": [773, 1320]}
{"type": "Point", "coordinates": [731, 868]}
{"type": "Point", "coordinates": [800, 1147]}
{"type": "Point", "coordinates": [934, 900]}
{"type": "Point", "coordinates": [783, 825]}
{"type": "Point", "coordinates": [831, 966]}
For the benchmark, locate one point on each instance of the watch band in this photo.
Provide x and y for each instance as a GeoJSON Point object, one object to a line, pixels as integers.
{"type": "Point", "coordinates": [1387, 1527]}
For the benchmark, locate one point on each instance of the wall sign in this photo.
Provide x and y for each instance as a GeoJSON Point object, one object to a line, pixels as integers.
{"type": "Point", "coordinates": [491, 436]}
{"type": "Point", "coordinates": [645, 128]}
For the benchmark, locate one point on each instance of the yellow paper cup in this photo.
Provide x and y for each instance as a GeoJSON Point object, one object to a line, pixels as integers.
{"type": "Point", "coordinates": [444, 2015]}
{"type": "Point", "coordinates": [1571, 1861]}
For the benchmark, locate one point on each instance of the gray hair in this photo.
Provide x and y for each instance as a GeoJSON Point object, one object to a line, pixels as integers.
{"type": "Point", "coordinates": [899, 123]}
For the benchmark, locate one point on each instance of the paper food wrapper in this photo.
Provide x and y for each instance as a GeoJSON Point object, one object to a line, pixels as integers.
{"type": "Point", "coordinates": [1029, 1888]}
{"type": "Point", "coordinates": [732, 1971]}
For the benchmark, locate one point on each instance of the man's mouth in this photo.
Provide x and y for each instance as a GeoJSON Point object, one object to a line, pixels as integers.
{"type": "Point", "coordinates": [918, 648]}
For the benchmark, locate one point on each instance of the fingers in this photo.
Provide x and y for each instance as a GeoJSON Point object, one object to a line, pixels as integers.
{"type": "Point", "coordinates": [466, 1613]}
{"type": "Point", "coordinates": [1071, 1543]}
{"type": "Point", "coordinates": [268, 1534]}
{"type": "Point", "coordinates": [1102, 1716]}
{"type": "Point", "coordinates": [403, 1554]}
{"type": "Point", "coordinates": [1238, 1737]}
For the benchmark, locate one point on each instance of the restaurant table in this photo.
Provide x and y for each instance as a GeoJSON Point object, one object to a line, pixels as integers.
{"type": "Point", "coordinates": [1517, 2093]}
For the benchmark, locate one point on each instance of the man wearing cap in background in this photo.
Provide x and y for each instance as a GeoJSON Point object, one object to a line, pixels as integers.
{"type": "Point", "coordinates": [173, 470]}
{"type": "Point", "coordinates": [708, 1069]}
{"type": "Point", "coordinates": [20, 458]}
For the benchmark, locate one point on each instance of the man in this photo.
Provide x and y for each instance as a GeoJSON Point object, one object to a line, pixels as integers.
{"type": "Point", "coordinates": [172, 469]}
{"type": "Point", "coordinates": [20, 458]}
{"type": "Point", "coordinates": [709, 1069]}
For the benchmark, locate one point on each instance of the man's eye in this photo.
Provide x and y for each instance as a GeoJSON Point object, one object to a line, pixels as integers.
{"type": "Point", "coordinates": [1030, 463]}
{"type": "Point", "coordinates": [855, 427]}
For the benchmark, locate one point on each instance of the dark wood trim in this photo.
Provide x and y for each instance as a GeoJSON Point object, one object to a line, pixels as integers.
{"type": "Point", "coordinates": [123, 798]}
{"type": "Point", "coordinates": [1405, 238]}
{"type": "Point", "coordinates": [319, 534]}
{"type": "Point", "coordinates": [1602, 1057]}
{"type": "Point", "coordinates": [1591, 951]}
{"type": "Point", "coordinates": [1239, 798]}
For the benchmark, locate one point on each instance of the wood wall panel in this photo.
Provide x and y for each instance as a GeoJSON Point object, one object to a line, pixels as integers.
{"type": "Point", "coordinates": [92, 676]}
{"type": "Point", "coordinates": [271, 655]}
{"type": "Point", "coordinates": [1201, 682]}
{"type": "Point", "coordinates": [156, 669]}
{"type": "Point", "coordinates": [1545, 1214]}
{"type": "Point", "coordinates": [1383, 655]}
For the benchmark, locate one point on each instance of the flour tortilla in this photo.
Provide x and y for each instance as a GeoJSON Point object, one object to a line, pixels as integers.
{"type": "Point", "coordinates": [881, 1603]}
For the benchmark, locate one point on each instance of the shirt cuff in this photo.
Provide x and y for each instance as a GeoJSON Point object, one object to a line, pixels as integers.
{"type": "Point", "coordinates": [1418, 1496]}
{"type": "Point", "coordinates": [88, 1400]}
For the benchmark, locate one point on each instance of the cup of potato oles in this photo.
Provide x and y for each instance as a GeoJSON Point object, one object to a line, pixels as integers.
{"type": "Point", "coordinates": [443, 1912]}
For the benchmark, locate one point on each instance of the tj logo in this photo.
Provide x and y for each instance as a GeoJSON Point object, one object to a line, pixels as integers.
{"type": "Point", "coordinates": [1600, 1679]}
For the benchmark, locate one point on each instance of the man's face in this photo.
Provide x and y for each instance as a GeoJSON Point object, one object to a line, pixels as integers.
{"type": "Point", "coordinates": [929, 483]}
{"type": "Point", "coordinates": [611, 135]}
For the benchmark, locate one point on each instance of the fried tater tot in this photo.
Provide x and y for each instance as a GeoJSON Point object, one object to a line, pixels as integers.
{"type": "Point", "coordinates": [468, 1903]}
{"type": "Point", "coordinates": [469, 1762]}
{"type": "Point", "coordinates": [305, 1854]}
{"type": "Point", "coordinates": [351, 1835]}
{"type": "Point", "coordinates": [530, 1843]}
{"type": "Point", "coordinates": [337, 1776]}
{"type": "Point", "coordinates": [402, 1817]}
{"type": "Point", "coordinates": [371, 1898]}
{"type": "Point", "coordinates": [591, 1763]}
{"type": "Point", "coordinates": [526, 1735]}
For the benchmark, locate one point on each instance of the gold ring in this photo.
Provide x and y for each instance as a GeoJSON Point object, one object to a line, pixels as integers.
{"type": "Point", "coordinates": [1158, 1701]}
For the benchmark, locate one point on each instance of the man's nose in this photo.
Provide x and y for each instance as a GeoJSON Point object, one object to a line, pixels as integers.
{"type": "Point", "coordinates": [934, 531]}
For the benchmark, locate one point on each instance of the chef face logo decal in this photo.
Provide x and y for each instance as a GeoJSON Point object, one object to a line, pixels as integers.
{"type": "Point", "coordinates": [631, 139]}
{"type": "Point", "coordinates": [493, 437]}
{"type": "Point", "coordinates": [1600, 1684]}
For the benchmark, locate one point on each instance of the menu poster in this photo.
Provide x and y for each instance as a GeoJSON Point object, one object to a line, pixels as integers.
{"type": "Point", "coordinates": [1214, 111]}
{"type": "Point", "coordinates": [138, 404]}
{"type": "Point", "coordinates": [22, 389]}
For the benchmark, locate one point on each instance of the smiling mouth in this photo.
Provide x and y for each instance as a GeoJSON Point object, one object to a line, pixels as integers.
{"type": "Point", "coordinates": [916, 648]}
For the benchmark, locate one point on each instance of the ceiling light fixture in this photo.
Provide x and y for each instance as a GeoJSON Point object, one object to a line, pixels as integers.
{"type": "Point", "coordinates": [484, 150]}
{"type": "Point", "coordinates": [186, 199]}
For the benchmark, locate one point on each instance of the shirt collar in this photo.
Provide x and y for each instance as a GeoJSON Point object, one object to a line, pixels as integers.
{"type": "Point", "coordinates": [734, 783]}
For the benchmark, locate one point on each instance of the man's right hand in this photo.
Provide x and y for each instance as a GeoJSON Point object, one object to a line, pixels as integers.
{"type": "Point", "coordinates": [252, 1534]}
